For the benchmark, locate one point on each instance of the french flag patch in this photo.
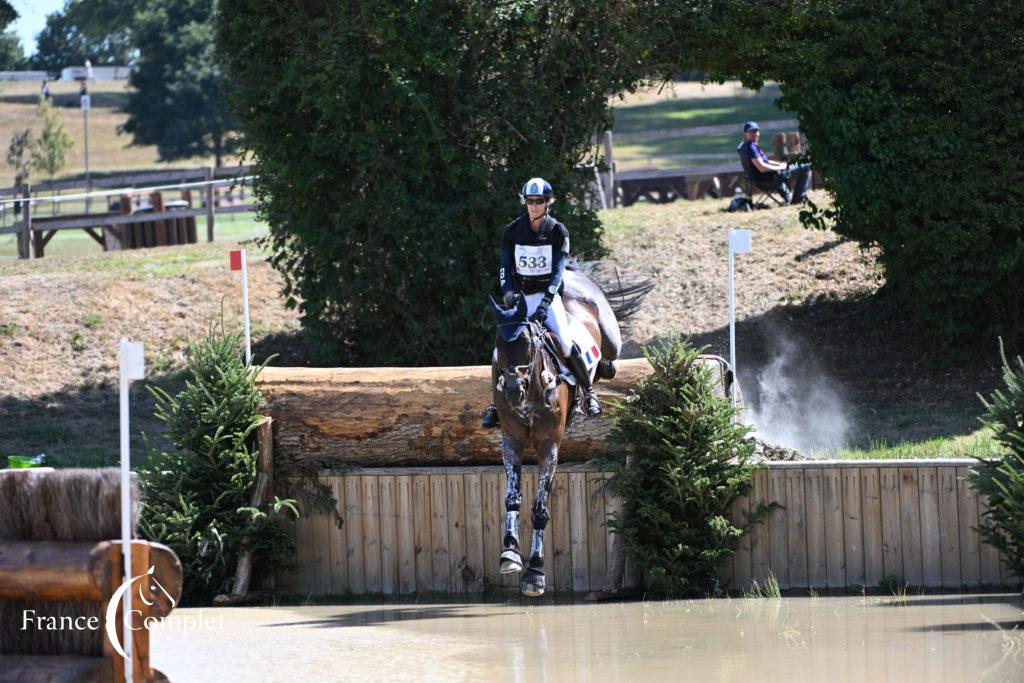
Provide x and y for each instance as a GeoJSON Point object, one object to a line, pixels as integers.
{"type": "Point", "coordinates": [592, 356]}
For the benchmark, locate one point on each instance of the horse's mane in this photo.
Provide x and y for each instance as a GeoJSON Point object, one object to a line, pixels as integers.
{"type": "Point", "coordinates": [624, 289]}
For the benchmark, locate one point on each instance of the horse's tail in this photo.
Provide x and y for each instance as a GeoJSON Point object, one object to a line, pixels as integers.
{"type": "Point", "coordinates": [624, 289]}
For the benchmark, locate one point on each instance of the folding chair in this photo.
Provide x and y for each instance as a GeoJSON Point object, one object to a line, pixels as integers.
{"type": "Point", "coordinates": [761, 201]}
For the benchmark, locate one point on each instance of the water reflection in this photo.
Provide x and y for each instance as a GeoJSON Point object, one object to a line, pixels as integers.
{"type": "Point", "coordinates": [794, 639]}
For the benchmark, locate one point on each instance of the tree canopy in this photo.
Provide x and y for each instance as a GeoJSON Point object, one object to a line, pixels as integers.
{"type": "Point", "coordinates": [82, 31]}
{"type": "Point", "coordinates": [178, 102]}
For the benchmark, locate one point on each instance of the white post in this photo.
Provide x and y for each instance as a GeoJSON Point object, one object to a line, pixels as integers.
{"type": "Point", "coordinates": [245, 309]}
{"type": "Point", "coordinates": [739, 243]}
{"type": "Point", "coordinates": [132, 368]}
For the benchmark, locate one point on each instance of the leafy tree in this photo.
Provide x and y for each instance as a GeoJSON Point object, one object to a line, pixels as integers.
{"type": "Point", "coordinates": [1001, 480]}
{"type": "Point", "coordinates": [49, 150]}
{"type": "Point", "coordinates": [7, 14]}
{"type": "Point", "coordinates": [391, 140]}
{"type": "Point", "coordinates": [178, 102]}
{"type": "Point", "coordinates": [691, 462]}
{"type": "Point", "coordinates": [63, 42]}
{"type": "Point", "coordinates": [197, 496]}
{"type": "Point", "coordinates": [12, 55]}
{"type": "Point", "coordinates": [19, 152]}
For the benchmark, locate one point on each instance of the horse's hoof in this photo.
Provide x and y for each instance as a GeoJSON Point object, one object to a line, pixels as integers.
{"type": "Point", "coordinates": [511, 562]}
{"type": "Point", "coordinates": [532, 583]}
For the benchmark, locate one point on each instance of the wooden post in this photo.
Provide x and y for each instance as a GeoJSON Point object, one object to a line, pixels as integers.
{"type": "Point", "coordinates": [25, 236]}
{"type": "Point", "coordinates": [156, 200]}
{"type": "Point", "coordinates": [262, 493]}
{"type": "Point", "coordinates": [208, 194]}
{"type": "Point", "coordinates": [609, 189]}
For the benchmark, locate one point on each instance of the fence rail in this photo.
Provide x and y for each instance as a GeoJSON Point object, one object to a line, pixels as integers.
{"type": "Point", "coordinates": [35, 231]}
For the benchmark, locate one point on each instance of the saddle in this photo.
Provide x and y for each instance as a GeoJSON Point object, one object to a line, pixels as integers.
{"type": "Point", "coordinates": [604, 370]}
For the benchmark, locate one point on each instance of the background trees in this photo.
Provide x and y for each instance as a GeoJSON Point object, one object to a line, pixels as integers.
{"type": "Point", "coordinates": [391, 140]}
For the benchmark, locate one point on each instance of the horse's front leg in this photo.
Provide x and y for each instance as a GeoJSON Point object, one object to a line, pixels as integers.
{"type": "Point", "coordinates": [532, 584]}
{"type": "Point", "coordinates": [512, 457]}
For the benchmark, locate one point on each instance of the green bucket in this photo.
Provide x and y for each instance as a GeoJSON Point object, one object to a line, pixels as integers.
{"type": "Point", "coordinates": [18, 462]}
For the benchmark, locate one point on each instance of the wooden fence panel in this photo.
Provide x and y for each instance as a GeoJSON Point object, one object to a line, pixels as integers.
{"type": "Point", "coordinates": [931, 556]}
{"type": "Point", "coordinates": [423, 537]}
{"type": "Point", "coordinates": [853, 526]}
{"type": "Point", "coordinates": [815, 501]}
{"type": "Point", "coordinates": [438, 530]}
{"type": "Point", "coordinates": [892, 541]}
{"type": "Point", "coordinates": [778, 523]}
{"type": "Point", "coordinates": [949, 528]}
{"type": "Point", "coordinates": [871, 511]}
{"type": "Point", "coordinates": [835, 535]}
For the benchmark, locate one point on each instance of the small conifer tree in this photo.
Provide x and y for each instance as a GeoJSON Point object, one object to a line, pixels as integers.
{"type": "Point", "coordinates": [690, 462]}
{"type": "Point", "coordinates": [1001, 479]}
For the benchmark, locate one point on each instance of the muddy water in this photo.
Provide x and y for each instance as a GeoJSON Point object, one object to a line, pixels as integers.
{"type": "Point", "coordinates": [929, 638]}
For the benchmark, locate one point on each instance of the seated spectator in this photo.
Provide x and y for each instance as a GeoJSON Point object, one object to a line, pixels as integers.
{"type": "Point", "coordinates": [772, 176]}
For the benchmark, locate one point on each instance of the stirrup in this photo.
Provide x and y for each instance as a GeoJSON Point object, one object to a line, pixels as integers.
{"type": "Point", "coordinates": [593, 405]}
{"type": "Point", "coordinates": [490, 420]}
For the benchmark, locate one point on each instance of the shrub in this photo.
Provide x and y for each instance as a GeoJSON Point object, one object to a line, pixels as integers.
{"type": "Point", "coordinates": [391, 139]}
{"type": "Point", "coordinates": [690, 462]}
{"type": "Point", "coordinates": [1002, 479]}
{"type": "Point", "coordinates": [196, 498]}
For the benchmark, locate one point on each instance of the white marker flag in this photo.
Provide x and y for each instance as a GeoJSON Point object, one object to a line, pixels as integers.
{"type": "Point", "coordinates": [133, 367]}
{"type": "Point", "coordinates": [739, 241]}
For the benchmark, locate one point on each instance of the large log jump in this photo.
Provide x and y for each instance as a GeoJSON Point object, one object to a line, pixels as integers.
{"type": "Point", "coordinates": [333, 418]}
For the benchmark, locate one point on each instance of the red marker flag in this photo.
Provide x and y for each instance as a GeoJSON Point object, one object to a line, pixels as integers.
{"type": "Point", "coordinates": [236, 259]}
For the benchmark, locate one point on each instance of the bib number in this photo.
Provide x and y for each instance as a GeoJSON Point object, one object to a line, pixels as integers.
{"type": "Point", "coordinates": [533, 261]}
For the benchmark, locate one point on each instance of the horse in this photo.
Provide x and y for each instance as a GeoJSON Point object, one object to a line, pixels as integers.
{"type": "Point", "coordinates": [534, 399]}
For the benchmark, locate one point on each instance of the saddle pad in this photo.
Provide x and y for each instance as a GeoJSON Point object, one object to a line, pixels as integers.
{"type": "Point", "coordinates": [591, 352]}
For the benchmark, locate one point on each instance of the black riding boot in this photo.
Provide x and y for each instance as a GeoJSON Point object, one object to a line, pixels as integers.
{"type": "Point", "coordinates": [490, 420]}
{"type": "Point", "coordinates": [579, 370]}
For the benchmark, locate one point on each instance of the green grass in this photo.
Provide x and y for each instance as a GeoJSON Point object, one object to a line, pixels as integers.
{"type": "Point", "coordinates": [975, 444]}
{"type": "Point", "coordinates": [688, 112]}
{"type": "Point", "coordinates": [233, 227]}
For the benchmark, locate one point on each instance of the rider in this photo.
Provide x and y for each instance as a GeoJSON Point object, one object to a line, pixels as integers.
{"type": "Point", "coordinates": [533, 252]}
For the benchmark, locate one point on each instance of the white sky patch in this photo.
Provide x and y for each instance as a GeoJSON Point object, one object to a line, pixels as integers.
{"type": "Point", "coordinates": [31, 20]}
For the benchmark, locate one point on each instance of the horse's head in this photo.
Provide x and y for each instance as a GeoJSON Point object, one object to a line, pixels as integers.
{"type": "Point", "coordinates": [515, 346]}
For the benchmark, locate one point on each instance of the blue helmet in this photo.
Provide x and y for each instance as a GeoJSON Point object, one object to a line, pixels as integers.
{"type": "Point", "coordinates": [537, 187]}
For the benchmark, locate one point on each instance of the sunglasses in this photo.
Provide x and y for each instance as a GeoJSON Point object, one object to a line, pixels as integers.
{"type": "Point", "coordinates": [536, 201]}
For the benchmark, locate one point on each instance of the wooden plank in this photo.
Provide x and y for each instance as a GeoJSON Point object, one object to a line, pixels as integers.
{"type": "Point", "coordinates": [371, 535]}
{"type": "Point", "coordinates": [305, 580]}
{"type": "Point", "coordinates": [892, 540]}
{"type": "Point", "coordinates": [406, 536]}
{"type": "Point", "coordinates": [561, 560]}
{"type": "Point", "coordinates": [931, 556]}
{"type": "Point", "coordinates": [871, 511]}
{"type": "Point", "coordinates": [457, 534]}
{"type": "Point", "coordinates": [354, 533]}
{"type": "Point", "coordinates": [578, 552]}
{"type": "Point", "coordinates": [493, 514]}
{"type": "Point", "coordinates": [967, 521]}
{"type": "Point", "coordinates": [797, 528]}
{"type": "Point", "coordinates": [949, 528]}
{"type": "Point", "coordinates": [474, 534]}
{"type": "Point", "coordinates": [778, 523]}
{"type": "Point", "coordinates": [741, 558]}
{"type": "Point", "coordinates": [760, 540]}
{"type": "Point", "coordinates": [610, 504]}
{"type": "Point", "coordinates": [817, 568]}
{"type": "Point", "coordinates": [597, 533]}
{"type": "Point", "coordinates": [388, 535]}
{"type": "Point", "coordinates": [422, 534]}
{"type": "Point", "coordinates": [439, 533]}
{"type": "Point", "coordinates": [989, 559]}
{"type": "Point", "coordinates": [321, 540]}
{"type": "Point", "coordinates": [910, 525]}
{"type": "Point", "coordinates": [853, 527]}
{"type": "Point", "coordinates": [835, 528]}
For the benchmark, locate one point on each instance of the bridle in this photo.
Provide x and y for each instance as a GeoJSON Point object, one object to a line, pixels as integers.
{"type": "Point", "coordinates": [529, 369]}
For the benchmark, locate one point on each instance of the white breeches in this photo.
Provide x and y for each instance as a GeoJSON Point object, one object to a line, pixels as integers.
{"type": "Point", "coordinates": [556, 321]}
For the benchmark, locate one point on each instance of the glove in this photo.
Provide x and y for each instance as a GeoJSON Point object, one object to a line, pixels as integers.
{"type": "Point", "coordinates": [510, 299]}
{"type": "Point", "coordinates": [541, 314]}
